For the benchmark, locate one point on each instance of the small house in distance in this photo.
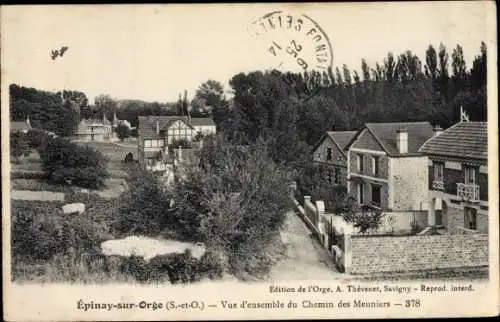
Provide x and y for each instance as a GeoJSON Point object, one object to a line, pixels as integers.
{"type": "Point", "coordinates": [20, 126]}
{"type": "Point", "coordinates": [458, 178]}
{"type": "Point", "coordinates": [330, 156]}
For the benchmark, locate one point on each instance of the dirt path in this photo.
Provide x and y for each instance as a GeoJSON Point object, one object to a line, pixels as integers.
{"type": "Point", "coordinates": [306, 259]}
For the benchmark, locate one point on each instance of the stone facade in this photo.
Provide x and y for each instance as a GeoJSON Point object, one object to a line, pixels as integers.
{"type": "Point", "coordinates": [408, 183]}
{"type": "Point", "coordinates": [333, 164]}
{"type": "Point", "coordinates": [399, 254]}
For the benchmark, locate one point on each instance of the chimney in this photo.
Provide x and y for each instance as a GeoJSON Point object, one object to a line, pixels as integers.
{"type": "Point", "coordinates": [157, 127]}
{"type": "Point", "coordinates": [437, 130]}
{"type": "Point", "coordinates": [402, 140]}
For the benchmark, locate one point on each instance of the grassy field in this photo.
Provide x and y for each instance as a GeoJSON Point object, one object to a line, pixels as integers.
{"type": "Point", "coordinates": [113, 151]}
{"type": "Point", "coordinates": [114, 185]}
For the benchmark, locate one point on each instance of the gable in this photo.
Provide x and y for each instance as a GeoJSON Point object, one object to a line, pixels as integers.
{"type": "Point", "coordinates": [320, 153]}
{"type": "Point", "coordinates": [367, 141]}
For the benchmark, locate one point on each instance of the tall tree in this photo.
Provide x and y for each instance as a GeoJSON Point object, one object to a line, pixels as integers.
{"type": "Point", "coordinates": [390, 67]}
{"type": "Point", "coordinates": [431, 68]}
{"type": "Point", "coordinates": [366, 70]}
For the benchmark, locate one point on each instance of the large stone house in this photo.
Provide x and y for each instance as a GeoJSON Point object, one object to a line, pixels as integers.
{"type": "Point", "coordinates": [95, 129]}
{"type": "Point", "coordinates": [330, 156]}
{"type": "Point", "coordinates": [458, 177]}
{"type": "Point", "coordinates": [386, 170]}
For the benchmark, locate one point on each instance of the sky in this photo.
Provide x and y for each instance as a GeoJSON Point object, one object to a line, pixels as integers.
{"type": "Point", "coordinates": [155, 52]}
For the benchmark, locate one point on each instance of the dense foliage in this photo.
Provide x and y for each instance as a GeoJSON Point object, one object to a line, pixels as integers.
{"type": "Point", "coordinates": [19, 145]}
{"type": "Point", "coordinates": [66, 162]}
{"type": "Point", "coordinates": [122, 131]}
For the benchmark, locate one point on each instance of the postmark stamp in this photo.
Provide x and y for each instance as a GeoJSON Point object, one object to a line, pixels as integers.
{"type": "Point", "coordinates": [295, 44]}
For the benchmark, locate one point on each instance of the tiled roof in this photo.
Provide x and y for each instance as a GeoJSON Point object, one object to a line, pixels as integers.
{"type": "Point", "coordinates": [147, 124]}
{"type": "Point", "coordinates": [418, 133]}
{"type": "Point", "coordinates": [202, 121]}
{"type": "Point", "coordinates": [462, 140]}
{"type": "Point", "coordinates": [342, 138]}
{"type": "Point", "coordinates": [19, 126]}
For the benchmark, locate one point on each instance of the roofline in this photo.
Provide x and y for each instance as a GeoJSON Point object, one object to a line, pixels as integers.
{"type": "Point", "coordinates": [356, 136]}
{"type": "Point", "coordinates": [321, 139]}
{"type": "Point", "coordinates": [431, 155]}
{"type": "Point", "coordinates": [378, 140]}
{"type": "Point", "coordinates": [432, 137]}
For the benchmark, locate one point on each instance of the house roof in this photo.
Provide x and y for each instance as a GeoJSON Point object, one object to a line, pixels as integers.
{"type": "Point", "coordinates": [340, 138]}
{"type": "Point", "coordinates": [386, 135]}
{"type": "Point", "coordinates": [19, 126]}
{"type": "Point", "coordinates": [202, 121]}
{"type": "Point", "coordinates": [462, 140]}
{"type": "Point", "coordinates": [147, 124]}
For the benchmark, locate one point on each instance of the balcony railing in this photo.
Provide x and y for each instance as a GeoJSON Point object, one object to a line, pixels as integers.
{"type": "Point", "coordinates": [437, 185]}
{"type": "Point", "coordinates": [469, 192]}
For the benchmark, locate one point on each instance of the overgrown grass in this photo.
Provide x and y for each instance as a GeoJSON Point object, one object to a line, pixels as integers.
{"type": "Point", "coordinates": [37, 185]}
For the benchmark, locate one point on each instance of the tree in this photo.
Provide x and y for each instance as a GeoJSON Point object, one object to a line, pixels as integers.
{"type": "Point", "coordinates": [431, 68]}
{"type": "Point", "coordinates": [236, 202]}
{"type": "Point", "coordinates": [66, 162]}
{"type": "Point", "coordinates": [366, 70]}
{"type": "Point", "coordinates": [19, 145]}
{"type": "Point", "coordinates": [105, 104]}
{"type": "Point", "coordinates": [123, 131]}
{"type": "Point", "coordinates": [211, 92]}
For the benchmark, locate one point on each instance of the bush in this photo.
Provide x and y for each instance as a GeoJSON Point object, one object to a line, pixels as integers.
{"type": "Point", "coordinates": [144, 206]}
{"type": "Point", "coordinates": [183, 143]}
{"type": "Point", "coordinates": [135, 266]}
{"type": "Point", "coordinates": [66, 162]}
{"type": "Point", "coordinates": [235, 202]}
{"type": "Point", "coordinates": [35, 230]}
{"type": "Point", "coordinates": [36, 138]}
{"type": "Point", "coordinates": [364, 218]}
{"type": "Point", "coordinates": [39, 231]}
{"type": "Point", "coordinates": [122, 131]}
{"type": "Point", "coordinates": [178, 267]}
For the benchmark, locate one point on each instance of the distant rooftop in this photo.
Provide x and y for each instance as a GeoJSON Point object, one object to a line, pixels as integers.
{"type": "Point", "coordinates": [386, 134]}
{"type": "Point", "coordinates": [462, 140]}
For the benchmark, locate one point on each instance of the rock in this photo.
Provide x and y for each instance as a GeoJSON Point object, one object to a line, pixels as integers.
{"type": "Point", "coordinates": [72, 208]}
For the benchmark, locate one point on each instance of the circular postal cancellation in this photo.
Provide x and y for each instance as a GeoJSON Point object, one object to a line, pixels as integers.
{"type": "Point", "coordinates": [292, 42]}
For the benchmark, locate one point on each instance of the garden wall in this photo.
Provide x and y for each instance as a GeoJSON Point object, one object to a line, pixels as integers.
{"type": "Point", "coordinates": [370, 254]}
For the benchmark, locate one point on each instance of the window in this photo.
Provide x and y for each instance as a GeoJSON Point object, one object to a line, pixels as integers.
{"type": "Point", "coordinates": [470, 218]}
{"type": "Point", "coordinates": [329, 153]}
{"type": "Point", "coordinates": [360, 162]}
{"type": "Point", "coordinates": [470, 175]}
{"type": "Point", "coordinates": [438, 171]}
{"type": "Point", "coordinates": [147, 143]}
{"type": "Point", "coordinates": [375, 195]}
{"type": "Point", "coordinates": [375, 165]}
{"type": "Point", "coordinates": [329, 176]}
{"type": "Point", "coordinates": [318, 156]}
{"type": "Point", "coordinates": [337, 176]}
{"type": "Point", "coordinates": [360, 194]}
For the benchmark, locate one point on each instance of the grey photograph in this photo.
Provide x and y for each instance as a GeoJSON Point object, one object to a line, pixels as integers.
{"type": "Point", "coordinates": [162, 145]}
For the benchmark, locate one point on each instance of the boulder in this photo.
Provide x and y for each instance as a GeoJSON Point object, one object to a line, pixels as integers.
{"type": "Point", "coordinates": [72, 208]}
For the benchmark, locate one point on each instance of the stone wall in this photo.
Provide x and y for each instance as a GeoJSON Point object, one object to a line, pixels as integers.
{"type": "Point", "coordinates": [409, 183]}
{"type": "Point", "coordinates": [372, 254]}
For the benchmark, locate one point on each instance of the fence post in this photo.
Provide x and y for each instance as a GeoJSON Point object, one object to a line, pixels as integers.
{"type": "Point", "coordinates": [347, 253]}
